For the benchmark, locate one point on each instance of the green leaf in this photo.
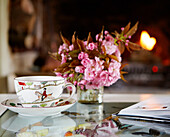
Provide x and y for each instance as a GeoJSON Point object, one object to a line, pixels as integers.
{"type": "Point", "coordinates": [126, 29]}
{"type": "Point", "coordinates": [107, 60]}
{"type": "Point", "coordinates": [74, 63]}
{"type": "Point", "coordinates": [122, 77]}
{"type": "Point", "coordinates": [64, 39]}
{"type": "Point", "coordinates": [74, 42]}
{"type": "Point", "coordinates": [73, 38]}
{"type": "Point", "coordinates": [65, 69]}
{"type": "Point", "coordinates": [123, 72]}
{"type": "Point", "coordinates": [101, 56]}
{"type": "Point", "coordinates": [62, 67]}
{"type": "Point", "coordinates": [74, 53]}
{"type": "Point", "coordinates": [121, 47]}
{"type": "Point", "coordinates": [117, 35]}
{"type": "Point", "coordinates": [103, 49]}
{"type": "Point", "coordinates": [67, 72]}
{"type": "Point", "coordinates": [89, 39]}
{"type": "Point", "coordinates": [132, 30]}
{"type": "Point", "coordinates": [55, 56]}
{"type": "Point", "coordinates": [127, 47]}
{"type": "Point", "coordinates": [123, 65]}
{"type": "Point", "coordinates": [79, 77]}
{"type": "Point", "coordinates": [75, 76]}
{"type": "Point", "coordinates": [81, 45]}
{"type": "Point", "coordinates": [93, 53]}
{"type": "Point", "coordinates": [134, 46]}
{"type": "Point", "coordinates": [113, 57]}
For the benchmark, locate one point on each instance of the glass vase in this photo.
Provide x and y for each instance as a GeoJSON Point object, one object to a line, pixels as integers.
{"type": "Point", "coordinates": [90, 96]}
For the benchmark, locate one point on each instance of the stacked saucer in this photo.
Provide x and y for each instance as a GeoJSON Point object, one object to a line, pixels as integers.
{"type": "Point", "coordinates": [40, 96]}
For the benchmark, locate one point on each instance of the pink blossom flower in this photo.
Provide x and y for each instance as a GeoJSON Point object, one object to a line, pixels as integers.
{"type": "Point", "coordinates": [82, 82]}
{"type": "Point", "coordinates": [100, 40]}
{"type": "Point", "coordinates": [82, 55]}
{"type": "Point", "coordinates": [58, 74]}
{"type": "Point", "coordinates": [82, 87]}
{"type": "Point", "coordinates": [104, 76]}
{"type": "Point", "coordinates": [97, 36]}
{"type": "Point", "coordinates": [106, 32]}
{"type": "Point", "coordinates": [113, 66]}
{"type": "Point", "coordinates": [109, 38]}
{"type": "Point", "coordinates": [110, 47]}
{"type": "Point", "coordinates": [71, 75]}
{"type": "Point", "coordinates": [60, 49]}
{"type": "Point", "coordinates": [129, 37]}
{"type": "Point", "coordinates": [71, 47]}
{"type": "Point", "coordinates": [86, 62]}
{"type": "Point", "coordinates": [122, 28]}
{"type": "Point", "coordinates": [75, 82]}
{"type": "Point", "coordinates": [79, 69]}
{"type": "Point", "coordinates": [91, 46]}
{"type": "Point", "coordinates": [85, 43]}
{"type": "Point", "coordinates": [65, 75]}
{"type": "Point", "coordinates": [86, 55]}
{"type": "Point", "coordinates": [89, 74]}
{"type": "Point", "coordinates": [70, 58]}
{"type": "Point", "coordinates": [112, 80]}
{"type": "Point", "coordinates": [127, 40]}
{"type": "Point", "coordinates": [65, 47]}
{"type": "Point", "coordinates": [118, 55]}
{"type": "Point", "coordinates": [99, 65]}
{"type": "Point", "coordinates": [64, 58]}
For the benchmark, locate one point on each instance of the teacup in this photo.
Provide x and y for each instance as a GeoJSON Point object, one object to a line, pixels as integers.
{"type": "Point", "coordinates": [41, 89]}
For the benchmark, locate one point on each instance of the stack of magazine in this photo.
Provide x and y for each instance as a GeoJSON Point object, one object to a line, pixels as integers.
{"type": "Point", "coordinates": [153, 112]}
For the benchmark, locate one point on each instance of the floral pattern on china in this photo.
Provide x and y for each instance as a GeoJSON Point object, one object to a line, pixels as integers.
{"type": "Point", "coordinates": [39, 88]}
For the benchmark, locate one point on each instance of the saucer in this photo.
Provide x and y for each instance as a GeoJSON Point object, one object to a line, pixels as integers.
{"type": "Point", "coordinates": [15, 106]}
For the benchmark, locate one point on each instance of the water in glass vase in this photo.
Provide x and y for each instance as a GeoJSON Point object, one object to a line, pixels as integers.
{"type": "Point", "coordinates": [90, 96]}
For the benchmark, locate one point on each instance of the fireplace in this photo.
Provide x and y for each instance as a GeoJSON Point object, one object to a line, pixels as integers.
{"type": "Point", "coordinates": [149, 67]}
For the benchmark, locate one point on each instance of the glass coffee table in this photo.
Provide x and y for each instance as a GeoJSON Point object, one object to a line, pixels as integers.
{"type": "Point", "coordinates": [80, 120]}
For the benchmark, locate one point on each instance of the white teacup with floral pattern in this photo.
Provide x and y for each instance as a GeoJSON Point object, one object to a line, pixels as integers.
{"type": "Point", "coordinates": [41, 89]}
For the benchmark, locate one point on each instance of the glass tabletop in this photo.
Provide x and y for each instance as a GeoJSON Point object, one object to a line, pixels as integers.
{"type": "Point", "coordinates": [81, 120]}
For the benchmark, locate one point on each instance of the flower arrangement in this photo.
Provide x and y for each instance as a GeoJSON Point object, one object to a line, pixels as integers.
{"type": "Point", "coordinates": [91, 64]}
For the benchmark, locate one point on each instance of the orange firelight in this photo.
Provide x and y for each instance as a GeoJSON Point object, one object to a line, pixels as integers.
{"type": "Point", "coordinates": [146, 41]}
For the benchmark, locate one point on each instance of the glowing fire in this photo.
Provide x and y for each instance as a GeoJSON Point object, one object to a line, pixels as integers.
{"type": "Point", "coordinates": [146, 41]}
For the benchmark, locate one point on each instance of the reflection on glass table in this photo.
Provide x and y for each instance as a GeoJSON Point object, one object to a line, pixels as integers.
{"type": "Point", "coordinates": [81, 121]}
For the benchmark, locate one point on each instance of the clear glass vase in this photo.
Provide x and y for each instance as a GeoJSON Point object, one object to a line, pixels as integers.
{"type": "Point", "coordinates": [90, 96]}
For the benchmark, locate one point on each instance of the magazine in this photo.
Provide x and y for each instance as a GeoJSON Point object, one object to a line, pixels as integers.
{"type": "Point", "coordinates": [152, 109]}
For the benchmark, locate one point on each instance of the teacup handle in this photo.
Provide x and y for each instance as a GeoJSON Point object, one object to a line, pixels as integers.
{"type": "Point", "coordinates": [73, 92]}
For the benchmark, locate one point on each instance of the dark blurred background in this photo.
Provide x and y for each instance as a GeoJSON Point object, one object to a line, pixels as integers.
{"type": "Point", "coordinates": [35, 26]}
